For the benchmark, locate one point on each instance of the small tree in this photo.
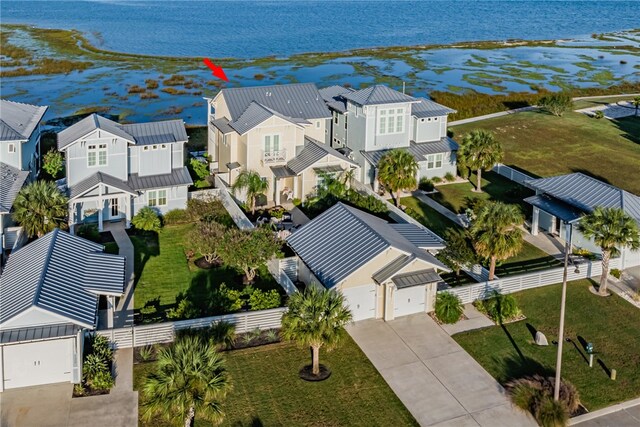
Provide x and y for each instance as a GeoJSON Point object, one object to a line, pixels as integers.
{"type": "Point", "coordinates": [448, 307]}
{"type": "Point", "coordinates": [397, 171]}
{"type": "Point", "coordinates": [247, 250]}
{"type": "Point", "coordinates": [556, 103]}
{"type": "Point", "coordinates": [190, 379]}
{"type": "Point", "coordinates": [480, 151]}
{"type": "Point", "coordinates": [316, 318]}
{"type": "Point", "coordinates": [459, 250]}
{"type": "Point", "coordinates": [40, 208]}
{"type": "Point", "coordinates": [146, 220]}
{"type": "Point", "coordinates": [205, 238]}
{"type": "Point", "coordinates": [253, 184]}
{"type": "Point", "coordinates": [636, 104]}
{"type": "Point", "coordinates": [610, 228]}
{"type": "Point", "coordinates": [53, 163]}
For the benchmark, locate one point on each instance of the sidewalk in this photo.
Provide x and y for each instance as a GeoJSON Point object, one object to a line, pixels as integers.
{"type": "Point", "coordinates": [124, 311]}
{"type": "Point", "coordinates": [474, 320]}
{"type": "Point", "coordinates": [439, 208]}
{"type": "Point", "coordinates": [625, 414]}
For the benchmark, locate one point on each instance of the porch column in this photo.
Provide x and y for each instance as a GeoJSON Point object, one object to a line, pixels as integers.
{"type": "Point", "coordinates": [295, 187]}
{"type": "Point", "coordinates": [72, 210]}
{"type": "Point", "coordinates": [277, 187]}
{"type": "Point", "coordinates": [376, 184]}
{"type": "Point", "coordinates": [388, 302]}
{"type": "Point", "coordinates": [127, 211]}
{"type": "Point", "coordinates": [535, 219]}
{"type": "Point", "coordinates": [100, 207]}
{"type": "Point", "coordinates": [110, 309]}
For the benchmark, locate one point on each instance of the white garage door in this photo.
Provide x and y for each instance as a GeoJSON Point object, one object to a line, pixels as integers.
{"type": "Point", "coordinates": [362, 301]}
{"type": "Point", "coordinates": [409, 300]}
{"type": "Point", "coordinates": [43, 362]}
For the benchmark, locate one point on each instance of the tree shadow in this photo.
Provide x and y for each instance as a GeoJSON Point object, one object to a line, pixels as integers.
{"type": "Point", "coordinates": [516, 366]}
{"type": "Point", "coordinates": [512, 341]}
{"type": "Point", "coordinates": [532, 330]}
{"type": "Point", "coordinates": [255, 422]}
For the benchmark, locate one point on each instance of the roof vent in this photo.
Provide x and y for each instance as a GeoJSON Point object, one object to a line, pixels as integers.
{"type": "Point", "coordinates": [288, 101]}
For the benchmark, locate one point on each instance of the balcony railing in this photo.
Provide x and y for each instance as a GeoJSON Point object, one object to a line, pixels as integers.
{"type": "Point", "coordinates": [277, 156]}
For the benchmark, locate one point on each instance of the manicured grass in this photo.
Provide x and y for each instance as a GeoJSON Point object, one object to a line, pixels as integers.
{"type": "Point", "coordinates": [456, 197]}
{"type": "Point", "coordinates": [529, 259]}
{"type": "Point", "coordinates": [429, 217]}
{"type": "Point", "coordinates": [267, 390]}
{"type": "Point", "coordinates": [611, 324]}
{"type": "Point", "coordinates": [545, 145]}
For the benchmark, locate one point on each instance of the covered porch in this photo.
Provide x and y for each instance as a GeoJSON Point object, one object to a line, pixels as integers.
{"type": "Point", "coordinates": [99, 204]}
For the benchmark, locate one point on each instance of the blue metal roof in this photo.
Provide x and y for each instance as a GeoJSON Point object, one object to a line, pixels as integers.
{"type": "Point", "coordinates": [555, 207]}
{"type": "Point", "coordinates": [11, 181]}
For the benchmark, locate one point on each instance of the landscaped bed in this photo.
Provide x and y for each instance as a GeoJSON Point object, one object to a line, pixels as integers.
{"type": "Point", "coordinates": [611, 324]}
{"type": "Point", "coordinates": [268, 391]}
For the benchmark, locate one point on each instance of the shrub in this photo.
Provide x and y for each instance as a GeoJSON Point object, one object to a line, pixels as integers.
{"type": "Point", "coordinates": [226, 300]}
{"type": "Point", "coordinates": [198, 169]}
{"type": "Point", "coordinates": [277, 213]}
{"type": "Point", "coordinates": [556, 103]}
{"type": "Point", "coordinates": [551, 413]}
{"type": "Point", "coordinates": [207, 210]}
{"type": "Point", "coordinates": [93, 365]}
{"type": "Point", "coordinates": [146, 353]}
{"type": "Point", "coordinates": [102, 381]}
{"type": "Point", "coordinates": [272, 335]}
{"type": "Point", "coordinates": [146, 219]}
{"type": "Point", "coordinates": [296, 202]}
{"type": "Point", "coordinates": [598, 114]}
{"type": "Point", "coordinates": [501, 308]}
{"type": "Point", "coordinates": [223, 333]}
{"type": "Point", "coordinates": [264, 300]}
{"type": "Point", "coordinates": [89, 232]}
{"type": "Point", "coordinates": [184, 310]}
{"type": "Point", "coordinates": [176, 216]}
{"type": "Point", "coordinates": [53, 163]}
{"type": "Point", "coordinates": [78, 390]}
{"type": "Point", "coordinates": [448, 307]}
{"type": "Point", "coordinates": [535, 394]}
{"type": "Point", "coordinates": [617, 273]}
{"type": "Point", "coordinates": [450, 177]}
{"type": "Point", "coordinates": [436, 180]}
{"type": "Point", "coordinates": [425, 184]}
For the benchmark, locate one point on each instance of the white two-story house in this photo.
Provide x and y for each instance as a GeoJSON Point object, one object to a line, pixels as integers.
{"type": "Point", "coordinates": [19, 159]}
{"type": "Point", "coordinates": [279, 132]}
{"type": "Point", "coordinates": [113, 170]}
{"type": "Point", "coordinates": [367, 123]}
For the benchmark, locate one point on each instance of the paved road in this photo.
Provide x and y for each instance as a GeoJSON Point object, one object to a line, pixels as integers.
{"type": "Point", "coordinates": [439, 383]}
{"type": "Point", "coordinates": [622, 415]}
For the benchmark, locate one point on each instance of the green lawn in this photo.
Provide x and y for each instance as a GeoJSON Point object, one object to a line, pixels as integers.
{"type": "Point", "coordinates": [429, 217]}
{"type": "Point", "coordinates": [267, 390]}
{"type": "Point", "coordinates": [611, 324]}
{"type": "Point", "coordinates": [456, 197]}
{"type": "Point", "coordinates": [163, 271]}
{"type": "Point", "coordinates": [545, 145]}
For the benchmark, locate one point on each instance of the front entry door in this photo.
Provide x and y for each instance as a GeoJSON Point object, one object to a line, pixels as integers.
{"type": "Point", "coordinates": [115, 212]}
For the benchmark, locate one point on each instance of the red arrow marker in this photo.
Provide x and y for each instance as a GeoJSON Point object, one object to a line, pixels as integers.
{"type": "Point", "coordinates": [217, 71]}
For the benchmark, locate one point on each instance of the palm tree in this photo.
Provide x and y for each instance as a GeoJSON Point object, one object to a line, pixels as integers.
{"type": "Point", "coordinates": [315, 319]}
{"type": "Point", "coordinates": [610, 228]}
{"type": "Point", "coordinates": [480, 151]}
{"type": "Point", "coordinates": [495, 233]}
{"type": "Point", "coordinates": [397, 171]}
{"type": "Point", "coordinates": [636, 103]}
{"type": "Point", "coordinates": [40, 208]}
{"type": "Point", "coordinates": [190, 378]}
{"type": "Point", "coordinates": [254, 185]}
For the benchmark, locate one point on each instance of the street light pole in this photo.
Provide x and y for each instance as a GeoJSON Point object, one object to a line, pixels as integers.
{"type": "Point", "coordinates": [563, 300]}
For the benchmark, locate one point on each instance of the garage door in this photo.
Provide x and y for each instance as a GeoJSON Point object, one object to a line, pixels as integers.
{"type": "Point", "coordinates": [409, 300]}
{"type": "Point", "coordinates": [362, 301]}
{"type": "Point", "coordinates": [43, 362]}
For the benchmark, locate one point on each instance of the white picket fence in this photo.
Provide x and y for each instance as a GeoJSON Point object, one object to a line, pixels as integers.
{"type": "Point", "coordinates": [278, 272]}
{"type": "Point", "coordinates": [138, 336]}
{"type": "Point", "coordinates": [511, 173]}
{"type": "Point", "coordinates": [508, 285]}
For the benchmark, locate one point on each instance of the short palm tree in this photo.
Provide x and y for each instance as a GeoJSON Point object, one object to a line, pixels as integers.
{"type": "Point", "coordinates": [40, 207]}
{"type": "Point", "coordinates": [636, 103]}
{"type": "Point", "coordinates": [610, 228]}
{"type": "Point", "coordinates": [495, 233]}
{"type": "Point", "coordinates": [190, 379]}
{"type": "Point", "coordinates": [397, 171]}
{"type": "Point", "coordinates": [480, 151]}
{"type": "Point", "coordinates": [253, 184]}
{"type": "Point", "coordinates": [316, 318]}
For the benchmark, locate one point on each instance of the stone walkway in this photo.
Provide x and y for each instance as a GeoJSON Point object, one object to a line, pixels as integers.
{"type": "Point", "coordinates": [439, 208]}
{"type": "Point", "coordinates": [474, 320]}
{"type": "Point", "coordinates": [545, 243]}
{"type": "Point", "coordinates": [124, 311]}
{"type": "Point", "coordinates": [438, 382]}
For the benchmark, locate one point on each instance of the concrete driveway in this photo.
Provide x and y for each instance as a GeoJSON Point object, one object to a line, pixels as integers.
{"type": "Point", "coordinates": [439, 383]}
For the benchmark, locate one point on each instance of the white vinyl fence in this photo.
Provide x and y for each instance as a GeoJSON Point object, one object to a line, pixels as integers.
{"type": "Point", "coordinates": [508, 285]}
{"type": "Point", "coordinates": [142, 335]}
{"type": "Point", "coordinates": [511, 173]}
{"type": "Point", "coordinates": [277, 270]}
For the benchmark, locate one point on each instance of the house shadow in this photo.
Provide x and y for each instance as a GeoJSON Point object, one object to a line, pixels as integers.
{"type": "Point", "coordinates": [630, 127]}
{"type": "Point", "coordinates": [255, 422]}
{"type": "Point", "coordinates": [146, 245]}
{"type": "Point", "coordinates": [591, 174]}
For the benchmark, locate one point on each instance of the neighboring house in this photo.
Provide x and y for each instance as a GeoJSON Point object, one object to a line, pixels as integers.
{"type": "Point", "coordinates": [561, 201]}
{"type": "Point", "coordinates": [49, 294]}
{"type": "Point", "coordinates": [367, 123]}
{"type": "Point", "coordinates": [114, 170]}
{"type": "Point", "coordinates": [276, 131]}
{"type": "Point", "coordinates": [19, 160]}
{"type": "Point", "coordinates": [384, 270]}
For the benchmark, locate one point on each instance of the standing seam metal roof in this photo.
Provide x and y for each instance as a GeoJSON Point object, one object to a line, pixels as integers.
{"type": "Point", "coordinates": [418, 150]}
{"type": "Point", "coordinates": [429, 108]}
{"type": "Point", "coordinates": [11, 181]}
{"type": "Point", "coordinates": [378, 94]}
{"type": "Point", "coordinates": [99, 178]}
{"type": "Point", "coordinates": [18, 120]}
{"type": "Point", "coordinates": [416, 278]}
{"type": "Point", "coordinates": [392, 268]}
{"type": "Point", "coordinates": [177, 178]}
{"type": "Point", "coordinates": [257, 113]}
{"type": "Point", "coordinates": [312, 152]}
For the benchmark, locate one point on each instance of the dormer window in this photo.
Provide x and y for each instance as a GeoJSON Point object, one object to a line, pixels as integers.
{"type": "Point", "coordinates": [146, 148]}
{"type": "Point", "coordinates": [163, 146]}
{"type": "Point", "coordinates": [155, 147]}
{"type": "Point", "coordinates": [96, 155]}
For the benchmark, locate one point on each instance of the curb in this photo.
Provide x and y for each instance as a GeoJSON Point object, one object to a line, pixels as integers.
{"type": "Point", "coordinates": [604, 411]}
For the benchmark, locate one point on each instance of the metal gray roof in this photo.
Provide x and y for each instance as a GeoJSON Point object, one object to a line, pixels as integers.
{"type": "Point", "coordinates": [416, 278]}
{"type": "Point", "coordinates": [342, 239]}
{"type": "Point", "coordinates": [295, 100]}
{"type": "Point", "coordinates": [328, 169]}
{"type": "Point", "coordinates": [330, 93]}
{"type": "Point", "coordinates": [92, 181]}
{"type": "Point", "coordinates": [18, 120]}
{"type": "Point", "coordinates": [11, 181]}
{"type": "Point", "coordinates": [421, 237]}
{"type": "Point", "coordinates": [222, 124]}
{"type": "Point", "coordinates": [585, 193]}
{"type": "Point", "coordinates": [418, 150]}
{"type": "Point", "coordinates": [177, 178]}
{"type": "Point", "coordinates": [8, 336]}
{"type": "Point", "coordinates": [312, 152]}
{"type": "Point", "coordinates": [377, 94]}
{"type": "Point", "coordinates": [338, 105]}
{"type": "Point", "coordinates": [392, 268]}
{"type": "Point", "coordinates": [555, 207]}
{"type": "Point", "coordinates": [282, 171]}
{"type": "Point", "coordinates": [429, 108]}
{"type": "Point", "coordinates": [257, 113]}
{"type": "Point", "coordinates": [233, 165]}
{"type": "Point", "coordinates": [163, 132]}
{"type": "Point", "coordinates": [62, 274]}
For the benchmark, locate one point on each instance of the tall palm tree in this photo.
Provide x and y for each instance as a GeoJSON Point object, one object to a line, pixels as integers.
{"type": "Point", "coordinates": [190, 379]}
{"type": "Point", "coordinates": [40, 207]}
{"type": "Point", "coordinates": [397, 171]}
{"type": "Point", "coordinates": [610, 228]}
{"type": "Point", "coordinates": [636, 103]}
{"type": "Point", "coordinates": [495, 233]}
{"type": "Point", "coordinates": [316, 318]}
{"type": "Point", "coordinates": [253, 184]}
{"type": "Point", "coordinates": [480, 151]}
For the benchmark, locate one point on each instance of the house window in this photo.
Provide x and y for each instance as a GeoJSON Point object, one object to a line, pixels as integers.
{"type": "Point", "coordinates": [434, 161]}
{"type": "Point", "coordinates": [335, 118]}
{"type": "Point", "coordinates": [157, 198]}
{"type": "Point", "coordinates": [225, 140]}
{"type": "Point", "coordinates": [271, 143]}
{"type": "Point", "coordinates": [155, 147]}
{"type": "Point", "coordinates": [391, 121]}
{"type": "Point", "coordinates": [163, 146]}
{"type": "Point", "coordinates": [97, 155]}
{"type": "Point", "coordinates": [435, 119]}
{"type": "Point", "coordinates": [12, 148]}
{"type": "Point", "coordinates": [345, 122]}
{"type": "Point", "coordinates": [146, 148]}
{"type": "Point", "coordinates": [318, 124]}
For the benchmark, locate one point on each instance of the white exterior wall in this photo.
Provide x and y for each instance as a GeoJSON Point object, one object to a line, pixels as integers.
{"type": "Point", "coordinates": [176, 199]}
{"type": "Point", "coordinates": [117, 157]}
{"type": "Point", "coordinates": [448, 166]}
{"type": "Point", "coordinates": [429, 128]}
